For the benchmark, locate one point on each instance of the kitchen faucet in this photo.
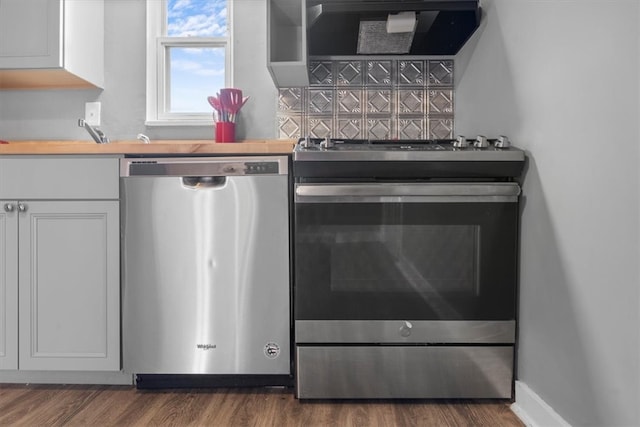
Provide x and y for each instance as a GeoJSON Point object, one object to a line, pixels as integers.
{"type": "Point", "coordinates": [97, 135]}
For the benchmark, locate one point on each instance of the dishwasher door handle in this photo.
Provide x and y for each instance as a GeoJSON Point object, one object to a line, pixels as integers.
{"type": "Point", "coordinates": [196, 182]}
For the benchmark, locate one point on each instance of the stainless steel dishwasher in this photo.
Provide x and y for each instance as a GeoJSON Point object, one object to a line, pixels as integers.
{"type": "Point", "coordinates": [205, 268]}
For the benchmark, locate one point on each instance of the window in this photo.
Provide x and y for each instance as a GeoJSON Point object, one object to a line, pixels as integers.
{"type": "Point", "coordinates": [188, 59]}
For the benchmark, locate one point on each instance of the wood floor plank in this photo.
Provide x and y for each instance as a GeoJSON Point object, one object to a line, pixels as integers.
{"type": "Point", "coordinates": [223, 406]}
{"type": "Point", "coordinates": [181, 408]}
{"type": "Point", "coordinates": [11, 400]}
{"type": "Point", "coordinates": [47, 405]}
{"type": "Point", "coordinates": [27, 405]}
{"type": "Point", "coordinates": [143, 408]}
{"type": "Point", "coordinates": [105, 408]}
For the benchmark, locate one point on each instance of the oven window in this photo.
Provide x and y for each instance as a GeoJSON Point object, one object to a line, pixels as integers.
{"type": "Point", "coordinates": [405, 261]}
{"type": "Point", "coordinates": [396, 258]}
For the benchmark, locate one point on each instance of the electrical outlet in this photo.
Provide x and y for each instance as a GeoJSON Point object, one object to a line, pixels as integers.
{"type": "Point", "coordinates": [92, 113]}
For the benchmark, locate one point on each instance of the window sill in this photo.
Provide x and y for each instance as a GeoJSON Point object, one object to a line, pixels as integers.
{"type": "Point", "coordinates": [204, 122]}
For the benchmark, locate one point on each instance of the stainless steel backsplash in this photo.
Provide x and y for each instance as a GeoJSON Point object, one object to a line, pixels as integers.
{"type": "Point", "coordinates": [377, 99]}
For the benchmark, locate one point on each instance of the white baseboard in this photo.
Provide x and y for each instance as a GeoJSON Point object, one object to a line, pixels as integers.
{"type": "Point", "coordinates": [533, 411]}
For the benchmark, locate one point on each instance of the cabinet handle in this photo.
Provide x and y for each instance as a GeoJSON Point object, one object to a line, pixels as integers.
{"type": "Point", "coordinates": [22, 207]}
{"type": "Point", "coordinates": [8, 207]}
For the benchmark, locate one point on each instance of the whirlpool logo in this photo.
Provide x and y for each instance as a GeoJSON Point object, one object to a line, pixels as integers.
{"type": "Point", "coordinates": [271, 350]}
{"type": "Point", "coordinates": [205, 346]}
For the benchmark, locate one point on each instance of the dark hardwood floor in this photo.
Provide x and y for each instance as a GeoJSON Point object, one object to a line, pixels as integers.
{"type": "Point", "coordinates": [73, 405]}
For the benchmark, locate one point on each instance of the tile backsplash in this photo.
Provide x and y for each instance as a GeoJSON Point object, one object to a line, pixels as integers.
{"type": "Point", "coordinates": [376, 99]}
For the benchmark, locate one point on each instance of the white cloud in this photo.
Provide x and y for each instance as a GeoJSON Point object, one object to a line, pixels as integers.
{"type": "Point", "coordinates": [200, 18]}
{"type": "Point", "coordinates": [216, 52]}
{"type": "Point", "coordinates": [196, 68]}
{"type": "Point", "coordinates": [180, 6]}
{"type": "Point", "coordinates": [185, 65]}
{"type": "Point", "coordinates": [196, 71]}
{"type": "Point", "coordinates": [211, 72]}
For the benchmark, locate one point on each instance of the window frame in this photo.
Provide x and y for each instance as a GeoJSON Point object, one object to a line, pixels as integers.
{"type": "Point", "coordinates": [157, 65]}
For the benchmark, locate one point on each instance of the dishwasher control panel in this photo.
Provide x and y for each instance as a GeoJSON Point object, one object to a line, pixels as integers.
{"type": "Point", "coordinates": [204, 166]}
{"type": "Point", "coordinates": [261, 168]}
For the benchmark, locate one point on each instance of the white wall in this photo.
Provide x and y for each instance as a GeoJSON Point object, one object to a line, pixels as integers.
{"type": "Point", "coordinates": [258, 116]}
{"type": "Point", "coordinates": [561, 78]}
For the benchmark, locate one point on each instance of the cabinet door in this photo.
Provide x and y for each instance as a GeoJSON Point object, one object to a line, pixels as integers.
{"type": "Point", "coordinates": [30, 34]}
{"type": "Point", "coordinates": [8, 285]}
{"type": "Point", "coordinates": [69, 285]}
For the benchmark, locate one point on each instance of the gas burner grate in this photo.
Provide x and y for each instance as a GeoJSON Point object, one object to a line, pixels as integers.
{"type": "Point", "coordinates": [390, 142]}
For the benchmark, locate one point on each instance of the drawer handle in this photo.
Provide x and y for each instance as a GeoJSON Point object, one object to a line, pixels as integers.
{"type": "Point", "coordinates": [8, 207]}
{"type": "Point", "coordinates": [22, 207]}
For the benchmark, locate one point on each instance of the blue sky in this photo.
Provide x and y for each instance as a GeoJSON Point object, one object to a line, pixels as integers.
{"type": "Point", "coordinates": [196, 73]}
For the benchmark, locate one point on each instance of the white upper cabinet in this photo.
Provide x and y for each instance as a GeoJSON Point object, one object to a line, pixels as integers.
{"type": "Point", "coordinates": [51, 44]}
{"type": "Point", "coordinates": [286, 44]}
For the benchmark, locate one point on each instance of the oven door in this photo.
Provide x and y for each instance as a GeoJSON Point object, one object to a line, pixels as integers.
{"type": "Point", "coordinates": [443, 255]}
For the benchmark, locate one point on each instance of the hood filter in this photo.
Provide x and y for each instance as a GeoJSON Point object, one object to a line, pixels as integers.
{"type": "Point", "coordinates": [373, 39]}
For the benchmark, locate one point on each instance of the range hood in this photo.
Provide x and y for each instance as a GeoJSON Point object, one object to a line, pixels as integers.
{"type": "Point", "coordinates": [338, 28]}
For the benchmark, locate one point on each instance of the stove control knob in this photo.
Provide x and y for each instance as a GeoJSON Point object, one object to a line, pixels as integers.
{"type": "Point", "coordinates": [405, 329]}
{"type": "Point", "coordinates": [481, 142]}
{"type": "Point", "coordinates": [503, 142]}
{"type": "Point", "coordinates": [461, 142]}
{"type": "Point", "coordinates": [327, 143]}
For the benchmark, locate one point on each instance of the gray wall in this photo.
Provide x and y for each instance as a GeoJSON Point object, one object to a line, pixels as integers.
{"type": "Point", "coordinates": [561, 78]}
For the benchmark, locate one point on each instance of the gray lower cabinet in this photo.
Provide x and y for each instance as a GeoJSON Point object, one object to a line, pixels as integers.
{"type": "Point", "coordinates": [59, 267]}
{"type": "Point", "coordinates": [8, 290]}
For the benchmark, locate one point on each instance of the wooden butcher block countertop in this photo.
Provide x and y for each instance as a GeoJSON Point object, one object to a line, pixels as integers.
{"type": "Point", "coordinates": [180, 147]}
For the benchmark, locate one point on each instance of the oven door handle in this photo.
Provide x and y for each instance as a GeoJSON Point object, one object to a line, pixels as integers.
{"type": "Point", "coordinates": [408, 193]}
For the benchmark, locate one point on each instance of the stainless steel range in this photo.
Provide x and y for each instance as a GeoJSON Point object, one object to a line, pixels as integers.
{"type": "Point", "coordinates": [405, 268]}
